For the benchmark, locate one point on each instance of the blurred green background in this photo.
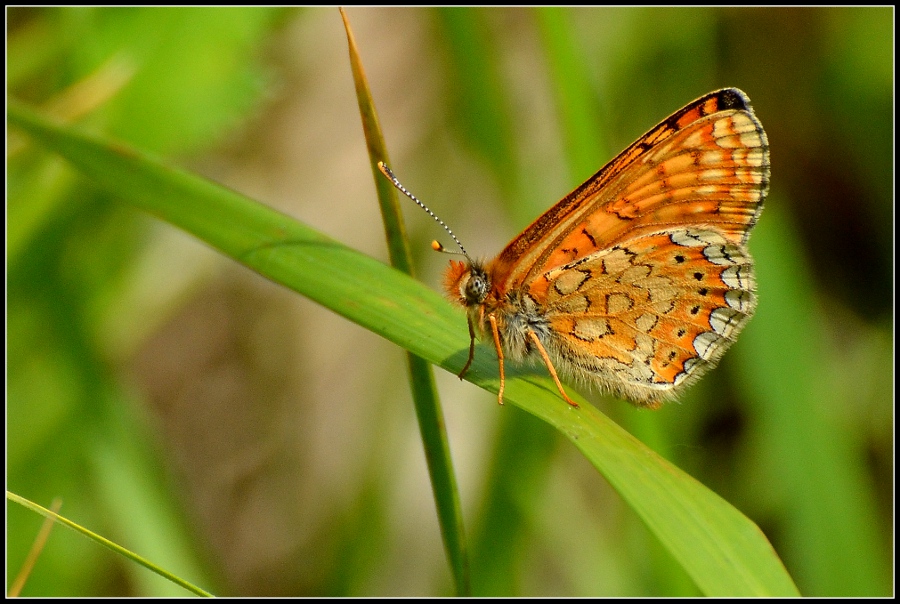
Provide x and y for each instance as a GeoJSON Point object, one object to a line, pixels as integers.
{"type": "Point", "coordinates": [256, 444]}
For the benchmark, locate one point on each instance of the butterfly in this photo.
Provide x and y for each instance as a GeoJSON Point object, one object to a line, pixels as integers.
{"type": "Point", "coordinates": [639, 279]}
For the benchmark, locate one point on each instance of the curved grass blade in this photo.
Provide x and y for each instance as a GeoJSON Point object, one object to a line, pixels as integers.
{"type": "Point", "coordinates": [720, 548]}
{"type": "Point", "coordinates": [107, 543]}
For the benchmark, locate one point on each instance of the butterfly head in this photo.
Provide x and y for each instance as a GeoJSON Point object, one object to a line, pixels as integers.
{"type": "Point", "coordinates": [466, 282]}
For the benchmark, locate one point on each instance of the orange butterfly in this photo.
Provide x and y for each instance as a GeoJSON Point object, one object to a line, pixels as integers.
{"type": "Point", "coordinates": [639, 279]}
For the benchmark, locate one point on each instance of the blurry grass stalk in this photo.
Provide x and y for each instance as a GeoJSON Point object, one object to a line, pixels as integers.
{"type": "Point", "coordinates": [84, 96]}
{"type": "Point", "coordinates": [34, 553]}
{"type": "Point", "coordinates": [424, 390]}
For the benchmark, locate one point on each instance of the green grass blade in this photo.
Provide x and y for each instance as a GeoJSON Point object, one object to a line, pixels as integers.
{"type": "Point", "coordinates": [721, 549]}
{"type": "Point", "coordinates": [107, 543]}
{"type": "Point", "coordinates": [480, 112]}
{"type": "Point", "coordinates": [424, 389]}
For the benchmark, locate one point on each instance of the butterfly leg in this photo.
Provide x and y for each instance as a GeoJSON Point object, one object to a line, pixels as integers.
{"type": "Point", "coordinates": [496, 332]}
{"type": "Point", "coordinates": [546, 357]}
{"type": "Point", "coordinates": [471, 349]}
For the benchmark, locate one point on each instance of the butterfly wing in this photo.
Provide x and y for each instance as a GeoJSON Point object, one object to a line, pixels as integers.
{"type": "Point", "coordinates": [706, 166]}
{"type": "Point", "coordinates": [648, 316]}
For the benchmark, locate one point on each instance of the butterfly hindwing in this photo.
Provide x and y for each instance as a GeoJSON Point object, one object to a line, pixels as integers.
{"type": "Point", "coordinates": [651, 314]}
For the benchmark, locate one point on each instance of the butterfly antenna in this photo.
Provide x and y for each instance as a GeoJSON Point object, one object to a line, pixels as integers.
{"type": "Point", "coordinates": [435, 245]}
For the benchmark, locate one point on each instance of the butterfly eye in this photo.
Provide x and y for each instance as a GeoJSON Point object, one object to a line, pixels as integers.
{"type": "Point", "coordinates": [475, 288]}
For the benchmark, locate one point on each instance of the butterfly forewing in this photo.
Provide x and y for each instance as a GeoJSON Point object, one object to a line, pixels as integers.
{"type": "Point", "coordinates": [706, 165]}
